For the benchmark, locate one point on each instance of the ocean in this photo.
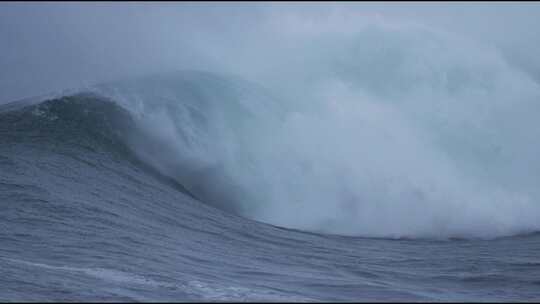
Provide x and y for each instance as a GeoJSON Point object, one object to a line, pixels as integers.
{"type": "Point", "coordinates": [174, 188]}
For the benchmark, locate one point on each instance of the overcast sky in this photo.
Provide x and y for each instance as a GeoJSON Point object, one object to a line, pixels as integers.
{"type": "Point", "coordinates": [53, 46]}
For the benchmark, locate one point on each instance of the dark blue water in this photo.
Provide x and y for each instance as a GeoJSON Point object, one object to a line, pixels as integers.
{"type": "Point", "coordinates": [83, 219]}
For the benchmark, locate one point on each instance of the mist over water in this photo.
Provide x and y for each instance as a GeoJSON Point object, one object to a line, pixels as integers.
{"type": "Point", "coordinates": [357, 124]}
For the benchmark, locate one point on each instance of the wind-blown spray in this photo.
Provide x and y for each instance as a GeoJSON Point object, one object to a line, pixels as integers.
{"type": "Point", "coordinates": [380, 131]}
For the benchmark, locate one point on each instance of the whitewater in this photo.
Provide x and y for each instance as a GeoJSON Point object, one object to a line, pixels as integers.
{"type": "Point", "coordinates": [391, 165]}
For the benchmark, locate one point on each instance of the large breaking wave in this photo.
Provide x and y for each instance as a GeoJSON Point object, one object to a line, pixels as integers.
{"type": "Point", "coordinates": [386, 132]}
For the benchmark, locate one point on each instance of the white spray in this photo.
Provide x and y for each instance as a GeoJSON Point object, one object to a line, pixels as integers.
{"type": "Point", "coordinates": [375, 131]}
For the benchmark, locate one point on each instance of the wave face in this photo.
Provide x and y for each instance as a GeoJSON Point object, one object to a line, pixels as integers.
{"type": "Point", "coordinates": [390, 133]}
